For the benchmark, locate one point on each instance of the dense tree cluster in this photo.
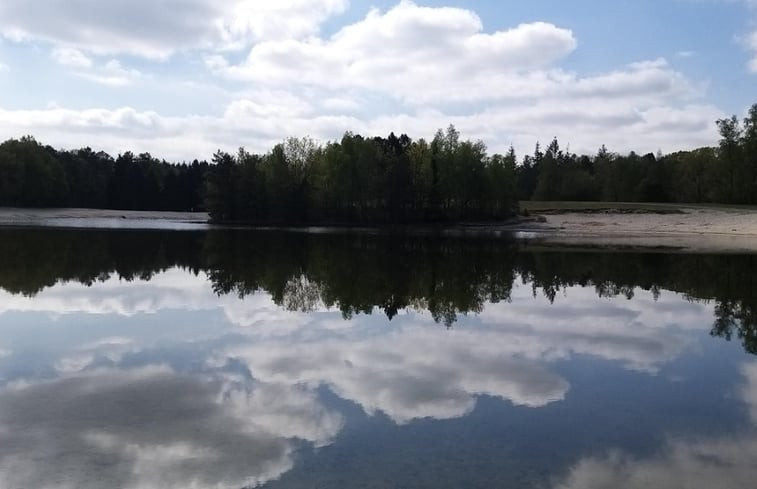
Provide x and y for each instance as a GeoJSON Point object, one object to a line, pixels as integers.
{"type": "Point", "coordinates": [364, 180]}
{"type": "Point", "coordinates": [725, 174]}
{"type": "Point", "coordinates": [33, 175]}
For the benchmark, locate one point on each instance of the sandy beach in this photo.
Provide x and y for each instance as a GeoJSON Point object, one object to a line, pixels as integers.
{"type": "Point", "coordinates": [103, 218]}
{"type": "Point", "coordinates": [694, 229]}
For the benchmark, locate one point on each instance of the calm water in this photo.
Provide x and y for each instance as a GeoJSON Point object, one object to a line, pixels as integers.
{"type": "Point", "coordinates": [153, 359]}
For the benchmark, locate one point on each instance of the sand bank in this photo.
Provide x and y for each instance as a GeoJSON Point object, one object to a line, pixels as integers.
{"type": "Point", "coordinates": [693, 229]}
{"type": "Point", "coordinates": [102, 218]}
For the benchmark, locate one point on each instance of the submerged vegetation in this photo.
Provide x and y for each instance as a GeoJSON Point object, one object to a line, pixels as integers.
{"type": "Point", "coordinates": [362, 180]}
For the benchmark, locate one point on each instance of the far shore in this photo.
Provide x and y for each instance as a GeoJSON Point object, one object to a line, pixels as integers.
{"type": "Point", "coordinates": [684, 228]}
{"type": "Point", "coordinates": [102, 218]}
{"type": "Point", "coordinates": [717, 229]}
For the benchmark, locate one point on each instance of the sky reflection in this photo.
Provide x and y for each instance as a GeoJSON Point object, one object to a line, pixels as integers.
{"type": "Point", "coordinates": [693, 462]}
{"type": "Point", "coordinates": [163, 383]}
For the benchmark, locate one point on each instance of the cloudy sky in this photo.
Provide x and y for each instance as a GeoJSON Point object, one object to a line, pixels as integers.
{"type": "Point", "coordinates": [182, 78]}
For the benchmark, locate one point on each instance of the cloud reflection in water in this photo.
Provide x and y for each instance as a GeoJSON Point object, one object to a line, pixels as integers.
{"type": "Point", "coordinates": [164, 427]}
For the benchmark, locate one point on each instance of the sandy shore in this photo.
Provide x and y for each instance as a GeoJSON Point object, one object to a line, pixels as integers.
{"type": "Point", "coordinates": [693, 229]}
{"type": "Point", "coordinates": [102, 218]}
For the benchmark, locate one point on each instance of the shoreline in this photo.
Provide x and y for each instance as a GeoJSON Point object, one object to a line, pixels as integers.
{"type": "Point", "coordinates": [75, 218]}
{"type": "Point", "coordinates": [687, 229]}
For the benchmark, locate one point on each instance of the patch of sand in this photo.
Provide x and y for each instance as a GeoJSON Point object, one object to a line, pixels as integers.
{"type": "Point", "coordinates": [102, 218]}
{"type": "Point", "coordinates": [695, 229]}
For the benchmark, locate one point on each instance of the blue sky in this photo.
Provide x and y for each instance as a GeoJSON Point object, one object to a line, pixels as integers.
{"type": "Point", "coordinates": [181, 79]}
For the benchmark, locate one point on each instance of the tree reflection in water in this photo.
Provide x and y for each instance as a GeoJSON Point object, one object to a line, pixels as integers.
{"type": "Point", "coordinates": [358, 273]}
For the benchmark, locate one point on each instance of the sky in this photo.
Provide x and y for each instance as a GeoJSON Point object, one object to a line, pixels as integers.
{"type": "Point", "coordinates": [183, 78]}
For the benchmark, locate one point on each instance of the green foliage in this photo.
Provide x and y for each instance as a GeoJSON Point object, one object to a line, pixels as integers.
{"type": "Point", "coordinates": [726, 174]}
{"type": "Point", "coordinates": [32, 175]}
{"type": "Point", "coordinates": [364, 180]}
{"type": "Point", "coordinates": [360, 180]}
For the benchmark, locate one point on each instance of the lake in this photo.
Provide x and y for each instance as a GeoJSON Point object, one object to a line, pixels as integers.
{"type": "Point", "coordinates": [231, 358]}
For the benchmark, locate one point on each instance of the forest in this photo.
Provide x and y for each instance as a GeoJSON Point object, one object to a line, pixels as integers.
{"type": "Point", "coordinates": [33, 175]}
{"type": "Point", "coordinates": [374, 180]}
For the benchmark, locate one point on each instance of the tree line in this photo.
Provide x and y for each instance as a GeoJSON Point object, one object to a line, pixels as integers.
{"type": "Point", "coordinates": [34, 175]}
{"type": "Point", "coordinates": [398, 180]}
{"type": "Point", "coordinates": [725, 174]}
{"type": "Point", "coordinates": [364, 180]}
{"type": "Point", "coordinates": [367, 180]}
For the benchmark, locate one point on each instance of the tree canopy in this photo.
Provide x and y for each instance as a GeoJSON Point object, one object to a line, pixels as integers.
{"type": "Point", "coordinates": [374, 180]}
{"type": "Point", "coordinates": [364, 180]}
{"type": "Point", "coordinates": [33, 175]}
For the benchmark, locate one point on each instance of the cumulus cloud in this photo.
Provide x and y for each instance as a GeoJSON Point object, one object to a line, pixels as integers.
{"type": "Point", "coordinates": [71, 57]}
{"type": "Point", "coordinates": [173, 137]}
{"type": "Point", "coordinates": [408, 68]}
{"type": "Point", "coordinates": [154, 428]}
{"type": "Point", "coordinates": [622, 127]}
{"type": "Point", "coordinates": [160, 29]}
{"type": "Point", "coordinates": [248, 20]}
{"type": "Point", "coordinates": [418, 54]}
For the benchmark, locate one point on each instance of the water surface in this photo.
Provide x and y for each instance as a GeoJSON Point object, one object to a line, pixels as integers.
{"type": "Point", "coordinates": [154, 359]}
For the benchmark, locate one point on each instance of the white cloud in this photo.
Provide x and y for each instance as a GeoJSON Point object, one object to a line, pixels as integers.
{"type": "Point", "coordinates": [256, 20]}
{"type": "Point", "coordinates": [409, 69]}
{"type": "Point", "coordinates": [418, 54]}
{"type": "Point", "coordinates": [259, 123]}
{"type": "Point", "coordinates": [159, 29]}
{"type": "Point", "coordinates": [71, 57]}
{"type": "Point", "coordinates": [154, 428]}
{"type": "Point", "coordinates": [113, 73]}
